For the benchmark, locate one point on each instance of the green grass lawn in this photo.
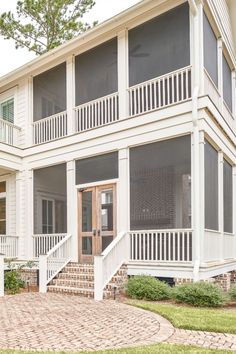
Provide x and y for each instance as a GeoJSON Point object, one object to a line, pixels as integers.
{"type": "Point", "coordinates": [152, 349]}
{"type": "Point", "coordinates": [201, 319]}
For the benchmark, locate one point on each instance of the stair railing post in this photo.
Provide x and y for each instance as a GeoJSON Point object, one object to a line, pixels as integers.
{"type": "Point", "coordinates": [1, 274]}
{"type": "Point", "coordinates": [43, 273]}
{"type": "Point", "coordinates": [98, 278]}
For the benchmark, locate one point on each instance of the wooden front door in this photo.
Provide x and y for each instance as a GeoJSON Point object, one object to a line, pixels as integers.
{"type": "Point", "coordinates": [97, 220]}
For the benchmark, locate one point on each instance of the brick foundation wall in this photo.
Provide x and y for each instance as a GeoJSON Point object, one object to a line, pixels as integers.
{"type": "Point", "coordinates": [118, 281]}
{"type": "Point", "coordinates": [29, 276]}
{"type": "Point", "coordinates": [224, 281]}
{"type": "Point", "coordinates": [233, 278]}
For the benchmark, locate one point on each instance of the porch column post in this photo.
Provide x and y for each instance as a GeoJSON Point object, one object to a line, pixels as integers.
{"type": "Point", "coordinates": [70, 94]}
{"type": "Point", "coordinates": [20, 205]}
{"type": "Point", "coordinates": [29, 213]}
{"type": "Point", "coordinates": [123, 191]}
{"type": "Point", "coordinates": [123, 73]}
{"type": "Point", "coordinates": [72, 208]}
{"type": "Point", "coordinates": [29, 118]}
{"type": "Point", "coordinates": [198, 201]}
{"type": "Point", "coordinates": [234, 95]}
{"type": "Point", "coordinates": [234, 206]}
{"type": "Point", "coordinates": [221, 202]}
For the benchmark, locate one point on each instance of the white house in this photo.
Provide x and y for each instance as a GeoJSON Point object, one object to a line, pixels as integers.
{"type": "Point", "coordinates": [120, 147]}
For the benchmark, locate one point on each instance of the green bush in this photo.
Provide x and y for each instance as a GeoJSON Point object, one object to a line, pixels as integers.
{"type": "Point", "coordinates": [200, 294]}
{"type": "Point", "coordinates": [12, 281]}
{"type": "Point", "coordinates": [147, 288]}
{"type": "Point", "coordinates": [232, 292]}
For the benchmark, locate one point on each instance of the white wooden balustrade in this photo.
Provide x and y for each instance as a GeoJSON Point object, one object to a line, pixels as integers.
{"type": "Point", "coordinates": [160, 92]}
{"type": "Point", "coordinates": [108, 263]}
{"type": "Point", "coordinates": [8, 132]}
{"type": "Point", "coordinates": [53, 262]}
{"type": "Point", "coordinates": [161, 246]}
{"type": "Point", "coordinates": [9, 246]}
{"type": "Point", "coordinates": [96, 113]}
{"type": "Point", "coordinates": [50, 128]}
{"type": "Point", "coordinates": [43, 243]}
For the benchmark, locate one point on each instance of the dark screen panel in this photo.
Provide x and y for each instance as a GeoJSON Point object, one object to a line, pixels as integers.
{"type": "Point", "coordinates": [211, 187]}
{"type": "Point", "coordinates": [96, 72]}
{"type": "Point", "coordinates": [97, 168]}
{"type": "Point", "coordinates": [159, 46]}
{"type": "Point", "coordinates": [49, 92]}
{"type": "Point", "coordinates": [210, 50]}
{"type": "Point", "coordinates": [227, 83]}
{"type": "Point", "coordinates": [228, 197]}
{"type": "Point", "coordinates": [160, 185]}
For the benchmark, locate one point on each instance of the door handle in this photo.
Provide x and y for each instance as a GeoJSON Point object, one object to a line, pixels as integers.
{"type": "Point", "coordinates": [99, 232]}
{"type": "Point", "coordinates": [94, 232]}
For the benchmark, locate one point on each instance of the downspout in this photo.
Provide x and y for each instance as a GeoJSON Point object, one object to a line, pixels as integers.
{"type": "Point", "coordinates": [195, 75]}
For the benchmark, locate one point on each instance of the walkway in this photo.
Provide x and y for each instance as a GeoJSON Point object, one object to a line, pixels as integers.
{"type": "Point", "coordinates": [55, 322]}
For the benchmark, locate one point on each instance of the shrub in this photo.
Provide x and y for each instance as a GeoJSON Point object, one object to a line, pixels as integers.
{"type": "Point", "coordinates": [147, 288]}
{"type": "Point", "coordinates": [200, 294]}
{"type": "Point", "coordinates": [232, 292]}
{"type": "Point", "coordinates": [12, 281]}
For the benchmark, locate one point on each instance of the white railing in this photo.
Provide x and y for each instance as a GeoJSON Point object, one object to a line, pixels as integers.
{"type": "Point", "coordinates": [50, 128]}
{"type": "Point", "coordinates": [97, 113]}
{"type": "Point", "coordinates": [229, 246]}
{"type": "Point", "coordinates": [1, 275]}
{"type": "Point", "coordinates": [160, 92]}
{"type": "Point", "coordinates": [53, 262]}
{"type": "Point", "coordinates": [43, 243]}
{"type": "Point", "coordinates": [211, 89]}
{"type": "Point", "coordinates": [161, 246]}
{"type": "Point", "coordinates": [8, 132]}
{"type": "Point", "coordinates": [108, 263]}
{"type": "Point", "coordinates": [9, 246]}
{"type": "Point", "coordinates": [212, 250]}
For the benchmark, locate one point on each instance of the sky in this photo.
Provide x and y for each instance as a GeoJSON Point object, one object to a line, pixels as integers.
{"type": "Point", "coordinates": [11, 58]}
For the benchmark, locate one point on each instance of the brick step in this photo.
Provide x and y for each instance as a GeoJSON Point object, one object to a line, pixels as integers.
{"type": "Point", "coordinates": [73, 283]}
{"type": "Point", "coordinates": [78, 269]}
{"type": "Point", "coordinates": [71, 291]}
{"type": "Point", "coordinates": [76, 276]}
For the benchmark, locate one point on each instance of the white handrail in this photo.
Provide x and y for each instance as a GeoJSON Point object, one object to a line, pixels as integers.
{"type": "Point", "coordinates": [108, 263]}
{"type": "Point", "coordinates": [9, 246]}
{"type": "Point", "coordinates": [43, 243]}
{"type": "Point", "coordinates": [53, 262]}
{"type": "Point", "coordinates": [8, 132]}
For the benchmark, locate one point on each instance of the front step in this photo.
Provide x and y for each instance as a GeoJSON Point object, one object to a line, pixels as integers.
{"type": "Point", "coordinates": [78, 279]}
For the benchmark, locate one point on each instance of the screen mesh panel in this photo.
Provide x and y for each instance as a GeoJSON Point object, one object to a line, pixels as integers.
{"type": "Point", "coordinates": [97, 168]}
{"type": "Point", "coordinates": [227, 83]}
{"type": "Point", "coordinates": [210, 50]}
{"type": "Point", "coordinates": [211, 187]}
{"type": "Point", "coordinates": [49, 91]}
{"type": "Point", "coordinates": [228, 197]}
{"type": "Point", "coordinates": [50, 200]}
{"type": "Point", "coordinates": [159, 46]}
{"type": "Point", "coordinates": [96, 72]}
{"type": "Point", "coordinates": [160, 185]}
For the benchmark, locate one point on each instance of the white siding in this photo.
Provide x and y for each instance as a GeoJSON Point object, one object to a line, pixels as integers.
{"type": "Point", "coordinates": [22, 111]}
{"type": "Point", "coordinates": [11, 204]}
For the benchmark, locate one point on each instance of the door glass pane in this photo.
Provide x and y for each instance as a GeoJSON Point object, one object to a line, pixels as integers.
{"type": "Point", "coordinates": [107, 210]}
{"type": "Point", "coordinates": [2, 187]}
{"type": "Point", "coordinates": [86, 211]}
{"type": "Point", "coordinates": [87, 245]}
{"type": "Point", "coordinates": [106, 240]}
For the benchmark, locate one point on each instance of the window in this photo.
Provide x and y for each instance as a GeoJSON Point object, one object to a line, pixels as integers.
{"type": "Point", "coordinates": [227, 83]}
{"type": "Point", "coordinates": [159, 46]}
{"type": "Point", "coordinates": [160, 185]}
{"type": "Point", "coordinates": [210, 50]}
{"type": "Point", "coordinates": [96, 72]}
{"type": "Point", "coordinates": [50, 200]}
{"type": "Point", "coordinates": [211, 187]}
{"type": "Point", "coordinates": [7, 110]}
{"type": "Point", "coordinates": [49, 92]}
{"type": "Point", "coordinates": [228, 197]}
{"type": "Point", "coordinates": [3, 208]}
{"type": "Point", "coordinates": [97, 168]}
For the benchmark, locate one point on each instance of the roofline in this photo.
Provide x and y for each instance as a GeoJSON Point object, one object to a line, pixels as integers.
{"type": "Point", "coordinates": [106, 26]}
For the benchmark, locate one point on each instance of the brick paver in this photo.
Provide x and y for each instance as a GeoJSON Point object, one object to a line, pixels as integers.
{"type": "Point", "coordinates": [58, 322]}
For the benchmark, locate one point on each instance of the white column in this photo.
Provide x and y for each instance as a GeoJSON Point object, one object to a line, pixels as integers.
{"type": "Point", "coordinates": [29, 118]}
{"type": "Point", "coordinates": [220, 71]}
{"type": "Point", "coordinates": [123, 73]}
{"type": "Point", "coordinates": [72, 208]}
{"type": "Point", "coordinates": [234, 203]}
{"type": "Point", "coordinates": [234, 95]}
{"type": "Point", "coordinates": [123, 191]}
{"type": "Point", "coordinates": [20, 208]}
{"type": "Point", "coordinates": [70, 94]}
{"type": "Point", "coordinates": [221, 201]}
{"type": "Point", "coordinates": [198, 208]}
{"type": "Point", "coordinates": [29, 213]}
